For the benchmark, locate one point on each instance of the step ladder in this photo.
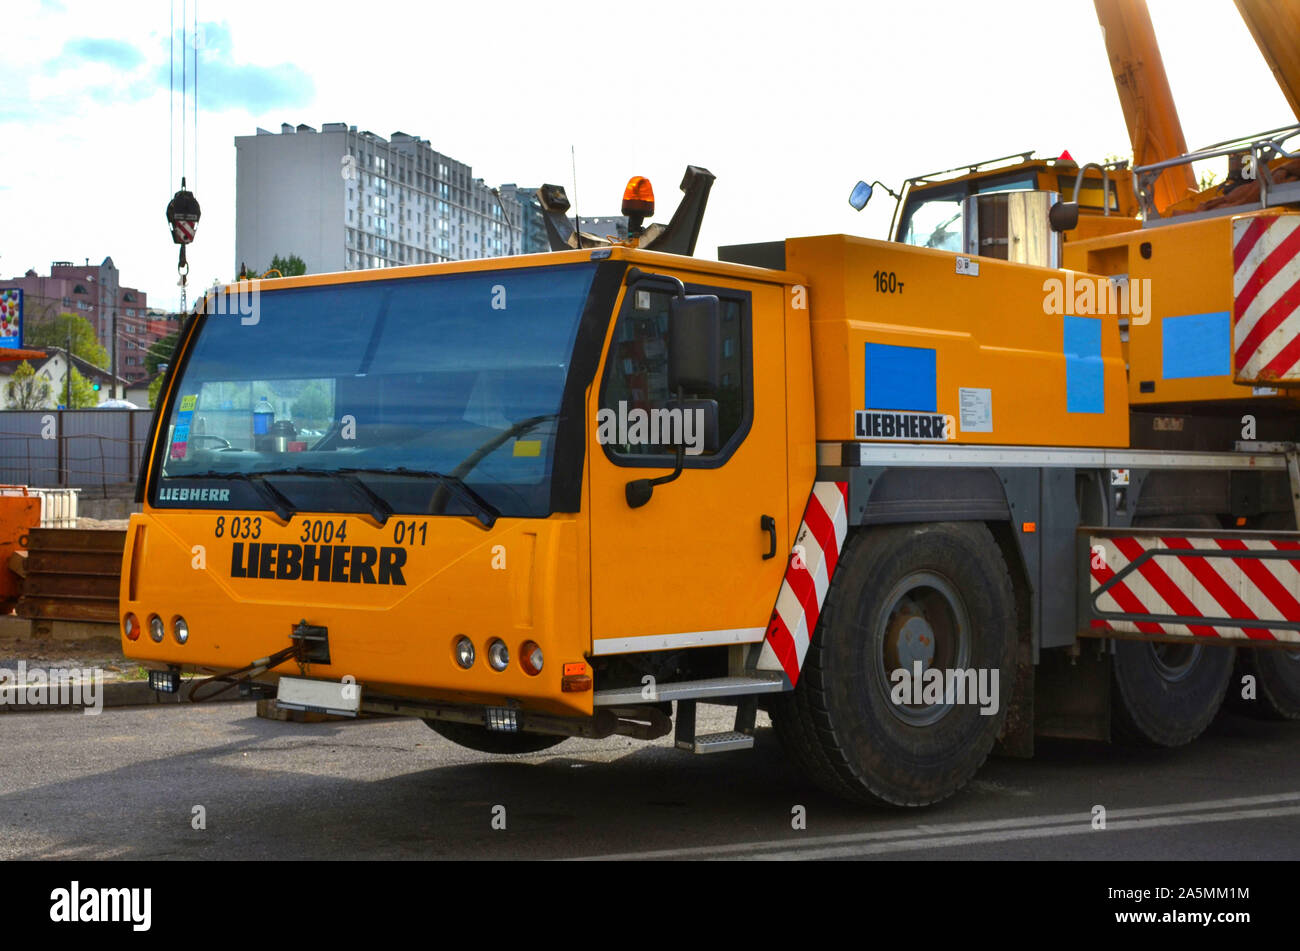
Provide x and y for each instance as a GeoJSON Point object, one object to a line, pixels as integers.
{"type": "Point", "coordinates": [740, 738]}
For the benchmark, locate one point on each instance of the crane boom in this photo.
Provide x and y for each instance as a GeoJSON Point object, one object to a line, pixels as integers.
{"type": "Point", "coordinates": [1276, 29]}
{"type": "Point", "coordinates": [1144, 94]}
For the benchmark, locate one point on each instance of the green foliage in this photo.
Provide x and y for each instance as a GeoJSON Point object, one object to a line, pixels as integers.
{"type": "Point", "coordinates": [26, 390]}
{"type": "Point", "coordinates": [313, 408]}
{"type": "Point", "coordinates": [290, 266]}
{"type": "Point", "coordinates": [154, 389]}
{"type": "Point", "coordinates": [160, 352]}
{"type": "Point", "coordinates": [83, 392]}
{"type": "Point", "coordinates": [55, 333]}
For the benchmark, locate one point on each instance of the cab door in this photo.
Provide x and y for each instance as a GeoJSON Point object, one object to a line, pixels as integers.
{"type": "Point", "coordinates": [702, 561]}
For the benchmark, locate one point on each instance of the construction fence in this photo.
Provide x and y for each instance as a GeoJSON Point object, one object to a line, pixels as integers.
{"type": "Point", "coordinates": [85, 448]}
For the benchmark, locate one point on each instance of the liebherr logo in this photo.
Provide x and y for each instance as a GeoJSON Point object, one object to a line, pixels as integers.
{"type": "Point", "coordinates": [77, 904]}
{"type": "Point", "coordinates": [344, 564]}
{"type": "Point", "coordinates": [193, 495]}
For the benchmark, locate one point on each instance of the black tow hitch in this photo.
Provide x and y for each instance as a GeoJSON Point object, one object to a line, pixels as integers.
{"type": "Point", "coordinates": [313, 643]}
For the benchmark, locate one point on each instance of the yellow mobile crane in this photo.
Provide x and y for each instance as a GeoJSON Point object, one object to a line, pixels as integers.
{"type": "Point", "coordinates": [878, 490]}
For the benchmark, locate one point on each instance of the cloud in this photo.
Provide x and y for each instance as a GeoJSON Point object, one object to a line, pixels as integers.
{"type": "Point", "coordinates": [225, 84]}
{"type": "Point", "coordinates": [254, 89]}
{"type": "Point", "coordinates": [88, 49]}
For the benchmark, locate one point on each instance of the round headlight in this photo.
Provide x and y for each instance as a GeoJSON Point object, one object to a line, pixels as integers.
{"type": "Point", "coordinates": [156, 629]}
{"type": "Point", "coordinates": [463, 650]}
{"type": "Point", "coordinates": [498, 655]}
{"type": "Point", "coordinates": [131, 627]}
{"type": "Point", "coordinates": [530, 657]}
{"type": "Point", "coordinates": [180, 630]}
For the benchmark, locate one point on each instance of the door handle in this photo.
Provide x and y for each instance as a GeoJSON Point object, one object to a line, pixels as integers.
{"type": "Point", "coordinates": [768, 524]}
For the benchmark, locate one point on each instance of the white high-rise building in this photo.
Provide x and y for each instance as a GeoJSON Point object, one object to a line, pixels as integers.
{"type": "Point", "coordinates": [345, 200]}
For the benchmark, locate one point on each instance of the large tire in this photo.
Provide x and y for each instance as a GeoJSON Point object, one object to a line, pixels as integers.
{"type": "Point", "coordinates": [1167, 694]}
{"type": "Point", "coordinates": [483, 740]}
{"type": "Point", "coordinates": [1277, 682]}
{"type": "Point", "coordinates": [892, 588]}
{"type": "Point", "coordinates": [1276, 672]}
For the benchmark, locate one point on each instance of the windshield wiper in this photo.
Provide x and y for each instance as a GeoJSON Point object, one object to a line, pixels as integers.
{"type": "Point", "coordinates": [274, 498]}
{"type": "Point", "coordinates": [380, 510]}
{"type": "Point", "coordinates": [378, 506]}
{"type": "Point", "coordinates": [486, 513]}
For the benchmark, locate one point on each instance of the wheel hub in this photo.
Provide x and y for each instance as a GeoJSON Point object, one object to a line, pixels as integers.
{"type": "Point", "coordinates": [924, 621]}
{"type": "Point", "coordinates": [1175, 661]}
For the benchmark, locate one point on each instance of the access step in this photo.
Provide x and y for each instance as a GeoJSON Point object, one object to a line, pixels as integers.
{"type": "Point", "coordinates": [715, 688]}
{"type": "Point", "coordinates": [723, 742]}
{"type": "Point", "coordinates": [739, 738]}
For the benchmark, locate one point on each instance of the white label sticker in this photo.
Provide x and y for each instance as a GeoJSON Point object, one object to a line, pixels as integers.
{"type": "Point", "coordinates": [966, 266]}
{"type": "Point", "coordinates": [1263, 391]}
{"type": "Point", "coordinates": [976, 407]}
{"type": "Point", "coordinates": [1119, 477]}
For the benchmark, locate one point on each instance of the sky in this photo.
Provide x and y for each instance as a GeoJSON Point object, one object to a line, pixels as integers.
{"type": "Point", "coordinates": [788, 104]}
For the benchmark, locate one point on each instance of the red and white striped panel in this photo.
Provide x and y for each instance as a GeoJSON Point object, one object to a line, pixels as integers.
{"type": "Point", "coordinates": [1246, 589]}
{"type": "Point", "coordinates": [813, 557]}
{"type": "Point", "coordinates": [1266, 299]}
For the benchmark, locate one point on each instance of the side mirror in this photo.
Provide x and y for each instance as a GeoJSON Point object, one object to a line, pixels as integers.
{"type": "Point", "coordinates": [860, 195]}
{"type": "Point", "coordinates": [694, 343]}
{"type": "Point", "coordinates": [691, 429]}
{"type": "Point", "coordinates": [689, 425]}
{"type": "Point", "coordinates": [1063, 216]}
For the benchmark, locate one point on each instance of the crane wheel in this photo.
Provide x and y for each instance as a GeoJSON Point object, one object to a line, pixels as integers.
{"type": "Point", "coordinates": [483, 740]}
{"type": "Point", "coordinates": [938, 594]}
{"type": "Point", "coordinates": [1167, 694]}
{"type": "Point", "coordinates": [1277, 683]}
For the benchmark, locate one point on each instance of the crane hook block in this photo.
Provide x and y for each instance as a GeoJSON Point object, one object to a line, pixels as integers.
{"type": "Point", "coordinates": [183, 215]}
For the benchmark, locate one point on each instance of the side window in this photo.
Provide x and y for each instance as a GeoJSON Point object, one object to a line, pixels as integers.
{"type": "Point", "coordinates": [935, 224]}
{"type": "Point", "coordinates": [640, 420]}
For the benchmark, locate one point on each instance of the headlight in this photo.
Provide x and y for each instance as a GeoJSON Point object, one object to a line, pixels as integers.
{"type": "Point", "coordinates": [180, 630]}
{"type": "Point", "coordinates": [156, 629]}
{"type": "Point", "coordinates": [530, 657]}
{"type": "Point", "coordinates": [463, 650]}
{"type": "Point", "coordinates": [498, 654]}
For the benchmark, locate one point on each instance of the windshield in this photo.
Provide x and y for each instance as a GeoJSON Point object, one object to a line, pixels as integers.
{"type": "Point", "coordinates": [422, 388]}
{"type": "Point", "coordinates": [936, 222]}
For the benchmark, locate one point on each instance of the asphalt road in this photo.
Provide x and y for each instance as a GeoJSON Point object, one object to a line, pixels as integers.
{"type": "Point", "coordinates": [124, 785]}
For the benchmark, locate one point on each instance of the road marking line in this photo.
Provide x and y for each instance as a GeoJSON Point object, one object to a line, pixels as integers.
{"type": "Point", "coordinates": [856, 851]}
{"type": "Point", "coordinates": [932, 833]}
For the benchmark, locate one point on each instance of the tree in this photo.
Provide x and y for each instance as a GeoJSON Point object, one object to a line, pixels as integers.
{"type": "Point", "coordinates": [26, 390]}
{"type": "Point", "coordinates": [313, 407]}
{"type": "Point", "coordinates": [154, 388]}
{"type": "Point", "coordinates": [55, 333]}
{"type": "Point", "coordinates": [290, 266]}
{"type": "Point", "coordinates": [160, 351]}
{"type": "Point", "coordinates": [83, 392]}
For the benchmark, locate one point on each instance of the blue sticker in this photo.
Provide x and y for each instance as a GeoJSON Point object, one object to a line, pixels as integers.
{"type": "Point", "coordinates": [181, 434]}
{"type": "Point", "coordinates": [1196, 345]}
{"type": "Point", "coordinates": [1085, 374]}
{"type": "Point", "coordinates": [901, 378]}
{"type": "Point", "coordinates": [185, 417]}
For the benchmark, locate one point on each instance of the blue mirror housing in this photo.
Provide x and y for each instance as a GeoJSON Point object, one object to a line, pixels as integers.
{"type": "Point", "coordinates": [860, 195]}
